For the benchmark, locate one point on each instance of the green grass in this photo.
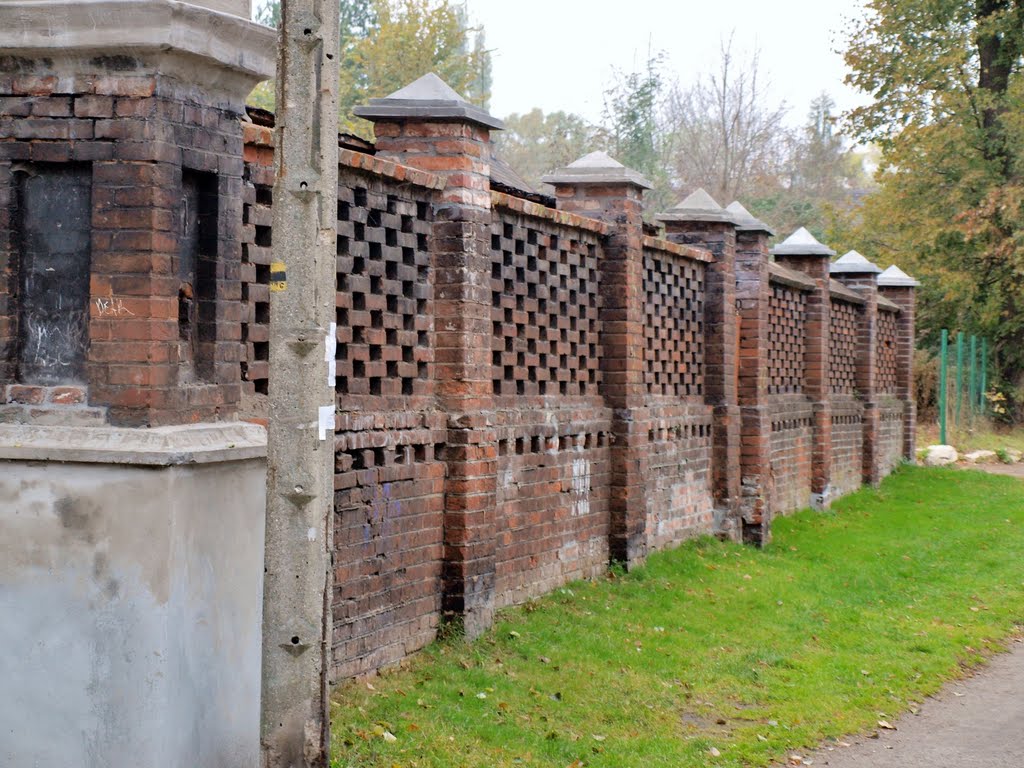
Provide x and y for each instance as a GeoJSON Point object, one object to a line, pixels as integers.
{"type": "Point", "coordinates": [848, 617]}
{"type": "Point", "coordinates": [984, 437]}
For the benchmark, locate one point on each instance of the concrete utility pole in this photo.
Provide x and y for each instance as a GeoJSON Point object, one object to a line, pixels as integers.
{"type": "Point", "coordinates": [297, 626]}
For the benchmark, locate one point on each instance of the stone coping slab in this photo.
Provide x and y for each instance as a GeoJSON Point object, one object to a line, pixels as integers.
{"type": "Point", "coordinates": [780, 274]}
{"type": "Point", "coordinates": [677, 249]}
{"type": "Point", "coordinates": [156, 447]}
{"type": "Point", "coordinates": [60, 29]}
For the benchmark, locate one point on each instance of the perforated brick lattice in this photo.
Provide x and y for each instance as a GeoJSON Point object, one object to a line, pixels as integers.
{"type": "Point", "coordinates": [673, 325]}
{"type": "Point", "coordinates": [786, 313]}
{"type": "Point", "coordinates": [544, 310]}
{"type": "Point", "coordinates": [385, 294]}
{"type": "Point", "coordinates": [844, 324]}
{"type": "Point", "coordinates": [256, 242]}
{"type": "Point", "coordinates": [887, 329]}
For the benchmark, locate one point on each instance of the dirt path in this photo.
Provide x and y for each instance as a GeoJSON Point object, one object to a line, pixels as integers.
{"type": "Point", "coordinates": [1013, 470]}
{"type": "Point", "coordinates": [973, 723]}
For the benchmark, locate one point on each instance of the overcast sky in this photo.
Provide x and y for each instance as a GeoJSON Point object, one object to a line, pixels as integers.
{"type": "Point", "coordinates": [561, 54]}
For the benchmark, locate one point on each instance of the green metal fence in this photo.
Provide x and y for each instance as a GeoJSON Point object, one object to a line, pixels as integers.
{"type": "Point", "coordinates": [966, 403]}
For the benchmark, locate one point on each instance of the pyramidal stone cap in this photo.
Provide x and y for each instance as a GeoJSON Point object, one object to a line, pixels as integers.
{"type": "Point", "coordinates": [802, 243]}
{"type": "Point", "coordinates": [744, 219]}
{"type": "Point", "coordinates": [853, 263]}
{"type": "Point", "coordinates": [699, 206]}
{"type": "Point", "coordinates": [596, 168]}
{"type": "Point", "coordinates": [894, 277]}
{"type": "Point", "coordinates": [429, 98]}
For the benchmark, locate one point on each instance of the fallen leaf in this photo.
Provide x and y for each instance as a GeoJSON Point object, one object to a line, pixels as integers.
{"type": "Point", "coordinates": [389, 737]}
{"type": "Point", "coordinates": [714, 752]}
{"type": "Point", "coordinates": [886, 725]}
{"type": "Point", "coordinates": [598, 737]}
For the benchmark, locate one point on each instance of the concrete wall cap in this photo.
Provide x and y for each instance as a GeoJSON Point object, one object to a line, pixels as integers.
{"type": "Point", "coordinates": [698, 206]}
{"type": "Point", "coordinates": [780, 274]}
{"type": "Point", "coordinates": [429, 98]}
{"type": "Point", "coordinates": [802, 243]}
{"type": "Point", "coordinates": [745, 220]}
{"type": "Point", "coordinates": [160, 446]}
{"type": "Point", "coordinates": [844, 293]}
{"type": "Point", "coordinates": [597, 168]}
{"type": "Point", "coordinates": [853, 263]}
{"type": "Point", "coordinates": [61, 29]}
{"type": "Point", "coordinates": [894, 277]}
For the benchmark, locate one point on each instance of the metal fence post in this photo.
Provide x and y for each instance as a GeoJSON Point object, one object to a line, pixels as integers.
{"type": "Point", "coordinates": [942, 387]}
{"type": "Point", "coordinates": [984, 375]}
{"type": "Point", "coordinates": [972, 398]}
{"type": "Point", "coordinates": [959, 375]}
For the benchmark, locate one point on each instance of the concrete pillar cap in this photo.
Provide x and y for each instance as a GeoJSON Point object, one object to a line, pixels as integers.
{"type": "Point", "coordinates": [596, 168]}
{"type": "Point", "coordinates": [698, 206]}
{"type": "Point", "coordinates": [427, 99]}
{"type": "Point", "coordinates": [853, 263]}
{"type": "Point", "coordinates": [745, 220]}
{"type": "Point", "coordinates": [894, 277]}
{"type": "Point", "coordinates": [214, 46]}
{"type": "Point", "coordinates": [802, 243]}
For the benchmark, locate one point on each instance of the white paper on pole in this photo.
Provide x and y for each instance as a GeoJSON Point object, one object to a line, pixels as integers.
{"type": "Point", "coordinates": [330, 355]}
{"type": "Point", "coordinates": [326, 420]}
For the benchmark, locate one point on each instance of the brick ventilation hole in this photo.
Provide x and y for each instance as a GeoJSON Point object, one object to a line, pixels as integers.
{"type": "Point", "coordinates": [787, 310]}
{"type": "Point", "coordinates": [385, 295]}
{"type": "Point", "coordinates": [887, 356]}
{"type": "Point", "coordinates": [674, 327]}
{"type": "Point", "coordinates": [545, 299]}
{"type": "Point", "coordinates": [844, 325]}
{"type": "Point", "coordinates": [256, 242]}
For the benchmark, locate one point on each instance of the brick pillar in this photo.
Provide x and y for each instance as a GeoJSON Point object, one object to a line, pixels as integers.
{"type": "Point", "coordinates": [699, 220]}
{"type": "Point", "coordinates": [149, 143]}
{"type": "Point", "coordinates": [427, 125]}
{"type": "Point", "coordinates": [803, 253]}
{"type": "Point", "coordinates": [602, 188]}
{"type": "Point", "coordinates": [856, 272]}
{"type": "Point", "coordinates": [900, 288]}
{"type": "Point", "coordinates": [753, 289]}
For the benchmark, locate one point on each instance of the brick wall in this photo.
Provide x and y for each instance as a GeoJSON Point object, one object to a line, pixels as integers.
{"type": "Point", "coordinates": [791, 442]}
{"type": "Point", "coordinates": [847, 410]}
{"type": "Point", "coordinates": [524, 392]}
{"type": "Point", "coordinates": [678, 478]}
{"type": "Point", "coordinates": [553, 429]}
{"type": "Point", "coordinates": [890, 435]}
{"type": "Point", "coordinates": [160, 328]}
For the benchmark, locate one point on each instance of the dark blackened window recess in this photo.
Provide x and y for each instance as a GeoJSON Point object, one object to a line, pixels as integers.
{"type": "Point", "coordinates": [197, 275]}
{"type": "Point", "coordinates": [53, 238]}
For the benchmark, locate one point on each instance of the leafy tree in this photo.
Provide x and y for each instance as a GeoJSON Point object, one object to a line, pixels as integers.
{"type": "Point", "coordinates": [386, 44]}
{"type": "Point", "coordinates": [633, 127]}
{"type": "Point", "coordinates": [948, 96]}
{"type": "Point", "coordinates": [820, 179]}
{"type": "Point", "coordinates": [410, 39]}
{"type": "Point", "coordinates": [534, 143]}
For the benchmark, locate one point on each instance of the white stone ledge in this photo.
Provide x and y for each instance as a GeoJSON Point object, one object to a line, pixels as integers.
{"type": "Point", "coordinates": [156, 447]}
{"type": "Point", "coordinates": [58, 29]}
